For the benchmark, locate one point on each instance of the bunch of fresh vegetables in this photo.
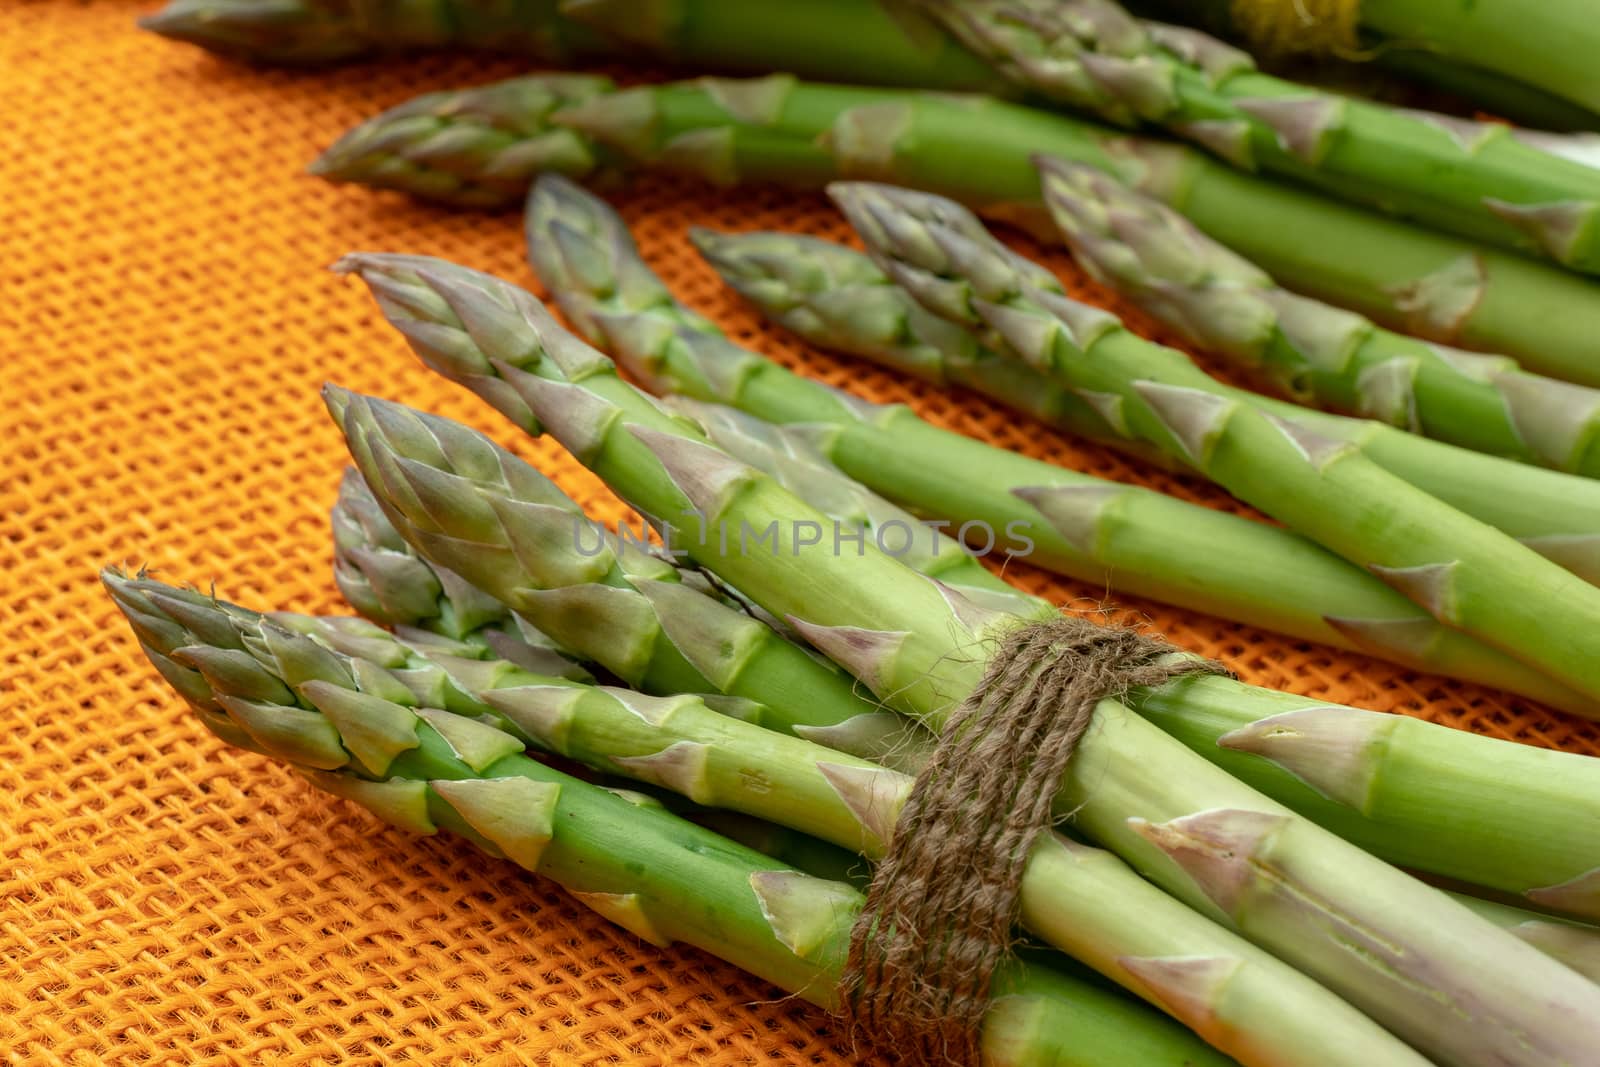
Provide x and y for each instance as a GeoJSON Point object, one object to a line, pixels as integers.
{"type": "Point", "coordinates": [709, 737]}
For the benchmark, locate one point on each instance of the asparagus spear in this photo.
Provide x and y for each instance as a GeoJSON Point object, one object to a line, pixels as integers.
{"type": "Point", "coordinates": [474, 147]}
{"type": "Point", "coordinates": [1309, 350]}
{"type": "Point", "coordinates": [1092, 55]}
{"type": "Point", "coordinates": [1084, 527]}
{"type": "Point", "coordinates": [468, 505]}
{"type": "Point", "coordinates": [1427, 968]}
{"type": "Point", "coordinates": [882, 47]}
{"type": "Point", "coordinates": [310, 32]}
{"type": "Point", "coordinates": [835, 297]}
{"type": "Point", "coordinates": [1465, 573]}
{"type": "Point", "coordinates": [356, 731]}
{"type": "Point", "coordinates": [776, 129]}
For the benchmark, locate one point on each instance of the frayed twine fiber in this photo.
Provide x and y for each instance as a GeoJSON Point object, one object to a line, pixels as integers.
{"type": "Point", "coordinates": [943, 904]}
{"type": "Point", "coordinates": [1299, 27]}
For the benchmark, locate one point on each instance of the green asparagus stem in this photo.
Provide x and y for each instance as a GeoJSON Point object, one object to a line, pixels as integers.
{"type": "Point", "coordinates": [356, 730]}
{"type": "Point", "coordinates": [838, 299]}
{"type": "Point", "coordinates": [1101, 532]}
{"type": "Point", "coordinates": [923, 547]}
{"type": "Point", "coordinates": [1467, 574]}
{"type": "Point", "coordinates": [1487, 186]}
{"type": "Point", "coordinates": [468, 505]}
{"type": "Point", "coordinates": [803, 135]}
{"type": "Point", "coordinates": [1311, 351]}
{"type": "Point", "coordinates": [311, 32]}
{"type": "Point", "coordinates": [842, 40]}
{"type": "Point", "coordinates": [1424, 53]}
{"type": "Point", "coordinates": [1428, 968]}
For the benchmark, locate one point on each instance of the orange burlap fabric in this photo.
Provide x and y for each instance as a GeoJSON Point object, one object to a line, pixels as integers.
{"type": "Point", "coordinates": [165, 320]}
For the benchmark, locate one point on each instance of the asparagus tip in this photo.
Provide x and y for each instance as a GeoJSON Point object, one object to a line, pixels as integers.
{"type": "Point", "coordinates": [337, 399]}
{"type": "Point", "coordinates": [179, 21]}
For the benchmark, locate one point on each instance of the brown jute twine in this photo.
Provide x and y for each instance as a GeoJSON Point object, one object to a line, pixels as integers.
{"type": "Point", "coordinates": [943, 903]}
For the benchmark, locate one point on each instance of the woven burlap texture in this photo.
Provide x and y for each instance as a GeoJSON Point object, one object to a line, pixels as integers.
{"type": "Point", "coordinates": [166, 321]}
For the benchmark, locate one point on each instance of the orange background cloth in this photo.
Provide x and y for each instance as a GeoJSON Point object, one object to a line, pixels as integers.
{"type": "Point", "coordinates": [166, 320]}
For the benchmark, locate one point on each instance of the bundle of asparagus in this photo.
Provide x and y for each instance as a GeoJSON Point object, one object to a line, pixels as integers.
{"type": "Point", "coordinates": [911, 642]}
{"type": "Point", "coordinates": [363, 718]}
{"type": "Point", "coordinates": [406, 723]}
{"type": "Point", "coordinates": [1415, 761]}
{"type": "Point", "coordinates": [1275, 742]}
{"type": "Point", "coordinates": [486, 145]}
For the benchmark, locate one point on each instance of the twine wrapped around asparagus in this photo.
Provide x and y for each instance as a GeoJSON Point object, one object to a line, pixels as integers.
{"type": "Point", "coordinates": [943, 904]}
